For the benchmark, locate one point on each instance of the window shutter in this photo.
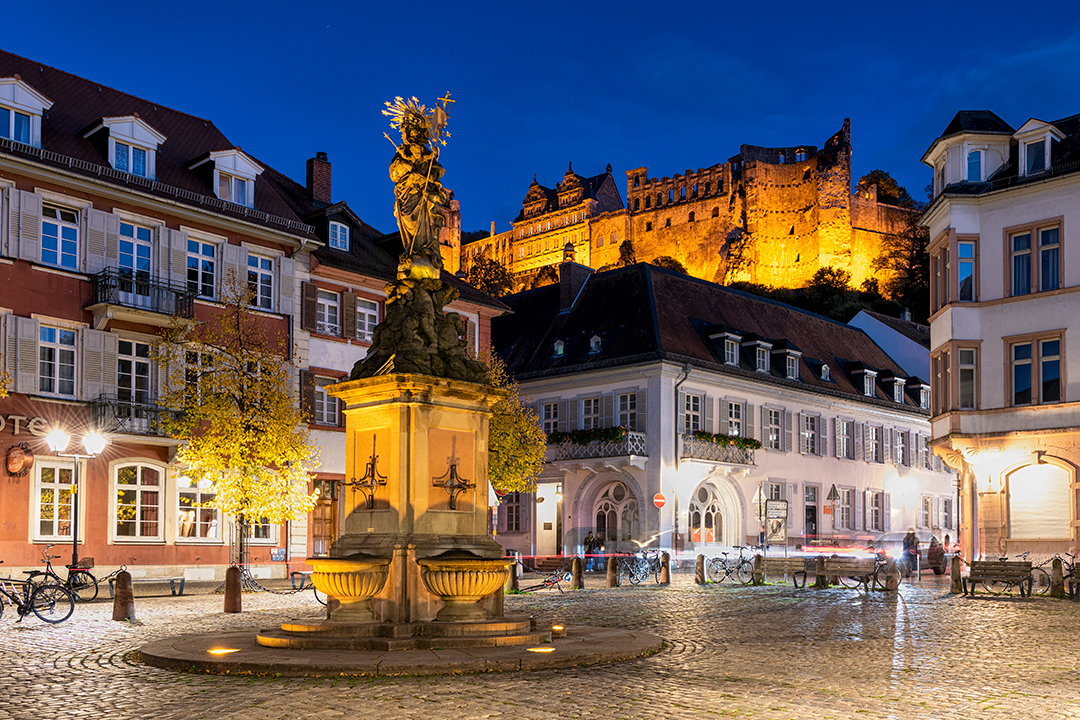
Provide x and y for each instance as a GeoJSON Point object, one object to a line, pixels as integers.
{"type": "Point", "coordinates": [935, 508]}
{"type": "Point", "coordinates": [764, 424]}
{"type": "Point", "coordinates": [890, 451]}
{"type": "Point", "coordinates": [608, 410]}
{"type": "Point", "coordinates": [309, 299]}
{"type": "Point", "coordinates": [823, 437]}
{"type": "Point", "coordinates": [836, 437]}
{"type": "Point", "coordinates": [348, 315]}
{"type": "Point", "coordinates": [724, 429]}
{"type": "Point", "coordinates": [680, 416]}
{"type": "Point", "coordinates": [96, 221]}
{"type": "Point", "coordinates": [802, 434]}
{"type": "Point", "coordinates": [470, 338]}
{"type": "Point", "coordinates": [25, 228]}
{"type": "Point", "coordinates": [748, 420]}
{"type": "Point", "coordinates": [527, 502]}
{"type": "Point", "coordinates": [857, 440]}
{"type": "Point", "coordinates": [286, 281]}
{"type": "Point", "coordinates": [307, 394]}
{"type": "Point", "coordinates": [234, 261]}
{"type": "Point", "coordinates": [642, 396]}
{"type": "Point", "coordinates": [572, 414]}
{"type": "Point", "coordinates": [790, 494]}
{"type": "Point", "coordinates": [22, 353]}
{"type": "Point", "coordinates": [178, 240]}
{"type": "Point", "coordinates": [562, 415]}
{"type": "Point", "coordinates": [857, 522]}
{"type": "Point", "coordinates": [787, 419]}
{"type": "Point", "coordinates": [886, 511]}
{"type": "Point", "coordinates": [708, 423]}
{"type": "Point", "coordinates": [99, 357]}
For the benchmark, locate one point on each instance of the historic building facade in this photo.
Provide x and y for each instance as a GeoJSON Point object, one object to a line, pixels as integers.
{"type": "Point", "coordinates": [1004, 352]}
{"type": "Point", "coordinates": [677, 361]}
{"type": "Point", "coordinates": [768, 215]}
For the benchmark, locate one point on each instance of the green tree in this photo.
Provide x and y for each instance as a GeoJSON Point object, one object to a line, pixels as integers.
{"type": "Point", "coordinates": [906, 265]}
{"type": "Point", "coordinates": [889, 191]}
{"type": "Point", "coordinates": [245, 437]}
{"type": "Point", "coordinates": [516, 442]}
{"type": "Point", "coordinates": [490, 276]}
{"type": "Point", "coordinates": [669, 263]}
{"type": "Point", "coordinates": [626, 254]}
{"type": "Point", "coordinates": [548, 275]}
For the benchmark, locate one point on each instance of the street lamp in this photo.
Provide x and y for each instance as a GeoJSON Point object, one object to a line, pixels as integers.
{"type": "Point", "coordinates": [94, 443]}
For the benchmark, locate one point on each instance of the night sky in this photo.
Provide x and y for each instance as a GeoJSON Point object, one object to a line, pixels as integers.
{"type": "Point", "coordinates": [670, 86]}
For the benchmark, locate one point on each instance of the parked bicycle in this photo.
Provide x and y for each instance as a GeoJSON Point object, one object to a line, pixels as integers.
{"type": "Point", "coordinates": [878, 579]}
{"type": "Point", "coordinates": [51, 603]}
{"type": "Point", "coordinates": [80, 582]}
{"type": "Point", "coordinates": [1040, 578]}
{"type": "Point", "coordinates": [552, 579]}
{"type": "Point", "coordinates": [739, 569]}
{"type": "Point", "coordinates": [636, 568]}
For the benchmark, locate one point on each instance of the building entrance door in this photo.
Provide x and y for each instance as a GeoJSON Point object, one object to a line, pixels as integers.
{"type": "Point", "coordinates": [324, 519]}
{"type": "Point", "coordinates": [810, 515]}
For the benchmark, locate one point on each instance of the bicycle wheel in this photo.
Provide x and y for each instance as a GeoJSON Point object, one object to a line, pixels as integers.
{"type": "Point", "coordinates": [1040, 581]}
{"type": "Point", "coordinates": [656, 567]}
{"type": "Point", "coordinates": [83, 586]}
{"type": "Point", "coordinates": [714, 571]}
{"type": "Point", "coordinates": [995, 586]}
{"type": "Point", "coordinates": [52, 603]}
{"type": "Point", "coordinates": [638, 572]}
{"type": "Point", "coordinates": [319, 595]}
{"type": "Point", "coordinates": [848, 582]}
{"type": "Point", "coordinates": [744, 572]}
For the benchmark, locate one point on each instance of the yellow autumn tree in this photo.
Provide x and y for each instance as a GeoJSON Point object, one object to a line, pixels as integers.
{"type": "Point", "coordinates": [516, 442]}
{"type": "Point", "coordinates": [231, 380]}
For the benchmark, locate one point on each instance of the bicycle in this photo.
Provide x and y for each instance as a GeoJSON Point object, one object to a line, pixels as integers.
{"type": "Point", "coordinates": [80, 582]}
{"type": "Point", "coordinates": [879, 578]}
{"type": "Point", "coordinates": [51, 603]}
{"type": "Point", "coordinates": [549, 580]}
{"type": "Point", "coordinates": [740, 569]}
{"type": "Point", "coordinates": [1040, 576]}
{"type": "Point", "coordinates": [636, 568]}
{"type": "Point", "coordinates": [1040, 579]}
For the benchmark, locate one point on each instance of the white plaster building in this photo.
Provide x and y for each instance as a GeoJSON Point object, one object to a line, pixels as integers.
{"type": "Point", "coordinates": [663, 355]}
{"type": "Point", "coordinates": [1003, 348]}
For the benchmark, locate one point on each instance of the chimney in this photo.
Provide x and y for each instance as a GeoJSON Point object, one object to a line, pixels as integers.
{"type": "Point", "coordinates": [572, 277]}
{"type": "Point", "coordinates": [492, 229]}
{"type": "Point", "coordinates": [318, 179]}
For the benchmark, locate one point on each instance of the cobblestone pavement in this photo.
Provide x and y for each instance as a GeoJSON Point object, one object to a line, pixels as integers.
{"type": "Point", "coordinates": [772, 652]}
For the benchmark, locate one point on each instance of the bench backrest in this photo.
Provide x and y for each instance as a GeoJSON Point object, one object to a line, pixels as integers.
{"type": "Point", "coordinates": [784, 564]}
{"type": "Point", "coordinates": [855, 566]}
{"type": "Point", "coordinates": [1006, 566]}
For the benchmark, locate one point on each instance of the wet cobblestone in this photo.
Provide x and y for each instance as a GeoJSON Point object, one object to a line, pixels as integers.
{"type": "Point", "coordinates": [772, 652]}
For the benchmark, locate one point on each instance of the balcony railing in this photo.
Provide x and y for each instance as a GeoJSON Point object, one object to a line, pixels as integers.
{"type": "Point", "coordinates": [114, 286]}
{"type": "Point", "coordinates": [695, 449]}
{"type": "Point", "coordinates": [632, 444]}
{"type": "Point", "coordinates": [127, 416]}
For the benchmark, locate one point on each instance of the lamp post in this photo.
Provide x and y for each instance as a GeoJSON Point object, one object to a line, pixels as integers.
{"type": "Point", "coordinates": [94, 443]}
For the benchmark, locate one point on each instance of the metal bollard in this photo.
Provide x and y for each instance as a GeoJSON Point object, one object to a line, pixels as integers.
{"type": "Point", "coordinates": [665, 569]}
{"type": "Point", "coordinates": [612, 572]}
{"type": "Point", "coordinates": [123, 607]}
{"type": "Point", "coordinates": [233, 595]}
{"type": "Point", "coordinates": [577, 580]}
{"type": "Point", "coordinates": [699, 570]}
{"type": "Point", "coordinates": [957, 584]}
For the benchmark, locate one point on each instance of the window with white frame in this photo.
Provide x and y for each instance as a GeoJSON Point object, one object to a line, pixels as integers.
{"type": "Point", "coordinates": [367, 317]}
{"type": "Point", "coordinates": [134, 385]}
{"type": "Point", "coordinates": [339, 236]}
{"type": "Point", "coordinates": [549, 414]}
{"type": "Point", "coordinates": [56, 361]}
{"type": "Point", "coordinates": [52, 500]}
{"type": "Point", "coordinates": [774, 491]}
{"type": "Point", "coordinates": [773, 433]}
{"type": "Point", "coordinates": [692, 413]}
{"type": "Point", "coordinates": [868, 383]}
{"type": "Point", "coordinates": [627, 413]}
{"type": "Point", "coordinates": [260, 273]}
{"type": "Point", "coordinates": [826, 373]}
{"type": "Point", "coordinates": [844, 446]}
{"type": "Point", "coordinates": [898, 390]}
{"type": "Point", "coordinates": [900, 446]}
{"type": "Point", "coordinates": [926, 511]}
{"type": "Point", "coordinates": [762, 359]}
{"type": "Point", "coordinates": [808, 434]}
{"type": "Point", "coordinates": [138, 494]}
{"type": "Point", "coordinates": [511, 503]}
{"type": "Point", "coordinates": [201, 267]}
{"type": "Point", "coordinates": [874, 509]}
{"type": "Point", "coordinates": [924, 453]}
{"type": "Point", "coordinates": [792, 367]}
{"type": "Point", "coordinates": [327, 317]}
{"type": "Point", "coordinates": [326, 405]}
{"type": "Point", "coordinates": [130, 159]}
{"type": "Point", "coordinates": [198, 373]}
{"type": "Point", "coordinates": [135, 262]}
{"type": "Point", "coordinates": [195, 519]}
{"type": "Point", "coordinates": [59, 237]}
{"type": "Point", "coordinates": [14, 125]}
{"type": "Point", "coordinates": [261, 531]}
{"type": "Point", "coordinates": [974, 166]}
{"type": "Point", "coordinates": [873, 443]}
{"type": "Point", "coordinates": [947, 513]}
{"type": "Point", "coordinates": [731, 352]}
{"type": "Point", "coordinates": [924, 398]}
{"type": "Point", "coordinates": [232, 188]}
{"type": "Point", "coordinates": [734, 418]}
{"type": "Point", "coordinates": [590, 413]}
{"type": "Point", "coordinates": [1035, 157]}
{"type": "Point", "coordinates": [846, 509]}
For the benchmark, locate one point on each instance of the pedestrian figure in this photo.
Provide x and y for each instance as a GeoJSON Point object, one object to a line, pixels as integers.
{"type": "Point", "coordinates": [590, 551]}
{"type": "Point", "coordinates": [910, 556]}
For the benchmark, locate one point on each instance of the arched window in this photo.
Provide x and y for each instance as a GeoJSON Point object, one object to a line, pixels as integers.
{"type": "Point", "coordinates": [716, 212]}
{"type": "Point", "coordinates": [1039, 502]}
{"type": "Point", "coordinates": [648, 201]}
{"type": "Point", "coordinates": [706, 520]}
{"type": "Point", "coordinates": [690, 218]}
{"type": "Point", "coordinates": [616, 514]}
{"type": "Point", "coordinates": [637, 203]}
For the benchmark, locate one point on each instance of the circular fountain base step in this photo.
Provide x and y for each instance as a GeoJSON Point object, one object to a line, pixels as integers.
{"type": "Point", "coordinates": [315, 634]}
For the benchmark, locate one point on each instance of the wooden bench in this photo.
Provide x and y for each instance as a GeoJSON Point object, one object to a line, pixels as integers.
{"type": "Point", "coordinates": [861, 570]}
{"type": "Point", "coordinates": [765, 565]}
{"type": "Point", "coordinates": [1006, 571]}
{"type": "Point", "coordinates": [171, 580]}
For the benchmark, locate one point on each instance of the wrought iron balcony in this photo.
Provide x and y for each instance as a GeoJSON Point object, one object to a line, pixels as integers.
{"type": "Point", "coordinates": [632, 444]}
{"type": "Point", "coordinates": [695, 449]}
{"type": "Point", "coordinates": [127, 416]}
{"type": "Point", "coordinates": [119, 288]}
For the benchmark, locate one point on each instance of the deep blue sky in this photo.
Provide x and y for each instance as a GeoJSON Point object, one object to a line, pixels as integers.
{"type": "Point", "coordinates": [663, 84]}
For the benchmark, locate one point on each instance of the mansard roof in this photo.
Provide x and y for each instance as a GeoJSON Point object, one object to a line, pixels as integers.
{"type": "Point", "coordinates": [79, 102]}
{"type": "Point", "coordinates": [976, 121]}
{"type": "Point", "coordinates": [593, 188]}
{"type": "Point", "coordinates": [648, 314]}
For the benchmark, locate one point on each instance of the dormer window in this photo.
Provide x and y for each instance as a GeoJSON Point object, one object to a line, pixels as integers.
{"type": "Point", "coordinates": [232, 175]}
{"type": "Point", "coordinates": [762, 359]}
{"type": "Point", "coordinates": [339, 236]}
{"type": "Point", "coordinates": [869, 379]}
{"type": "Point", "coordinates": [792, 363]}
{"type": "Point", "coordinates": [21, 110]}
{"type": "Point", "coordinates": [898, 390]}
{"type": "Point", "coordinates": [825, 373]}
{"type": "Point", "coordinates": [129, 143]}
{"type": "Point", "coordinates": [560, 347]}
{"type": "Point", "coordinates": [232, 188]}
{"type": "Point", "coordinates": [974, 166]}
{"type": "Point", "coordinates": [731, 352]}
{"type": "Point", "coordinates": [594, 344]}
{"type": "Point", "coordinates": [1035, 157]}
{"type": "Point", "coordinates": [924, 397]}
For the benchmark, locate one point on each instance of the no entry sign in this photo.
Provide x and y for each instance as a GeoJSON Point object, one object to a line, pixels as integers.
{"type": "Point", "coordinates": [658, 500]}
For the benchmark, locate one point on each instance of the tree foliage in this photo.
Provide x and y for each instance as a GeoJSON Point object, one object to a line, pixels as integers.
{"type": "Point", "coordinates": [627, 256]}
{"type": "Point", "coordinates": [490, 276]}
{"type": "Point", "coordinates": [548, 275]}
{"type": "Point", "coordinates": [905, 262]}
{"type": "Point", "coordinates": [669, 263]}
{"type": "Point", "coordinates": [889, 191]}
{"type": "Point", "coordinates": [516, 442]}
{"type": "Point", "coordinates": [245, 437]}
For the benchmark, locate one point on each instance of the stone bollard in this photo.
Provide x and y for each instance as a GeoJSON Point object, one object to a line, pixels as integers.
{"type": "Point", "coordinates": [577, 580]}
{"type": "Point", "coordinates": [957, 584]}
{"type": "Point", "coordinates": [1057, 579]}
{"type": "Point", "coordinates": [759, 570]}
{"type": "Point", "coordinates": [515, 578]}
{"type": "Point", "coordinates": [612, 571]}
{"type": "Point", "coordinates": [892, 577]}
{"type": "Point", "coordinates": [123, 607]}
{"type": "Point", "coordinates": [232, 590]}
{"type": "Point", "coordinates": [699, 570]}
{"type": "Point", "coordinates": [665, 569]}
{"type": "Point", "coordinates": [820, 581]}
{"type": "Point", "coordinates": [834, 579]}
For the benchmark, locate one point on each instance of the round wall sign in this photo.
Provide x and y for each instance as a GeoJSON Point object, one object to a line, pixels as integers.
{"type": "Point", "coordinates": [20, 458]}
{"type": "Point", "coordinates": [659, 500]}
